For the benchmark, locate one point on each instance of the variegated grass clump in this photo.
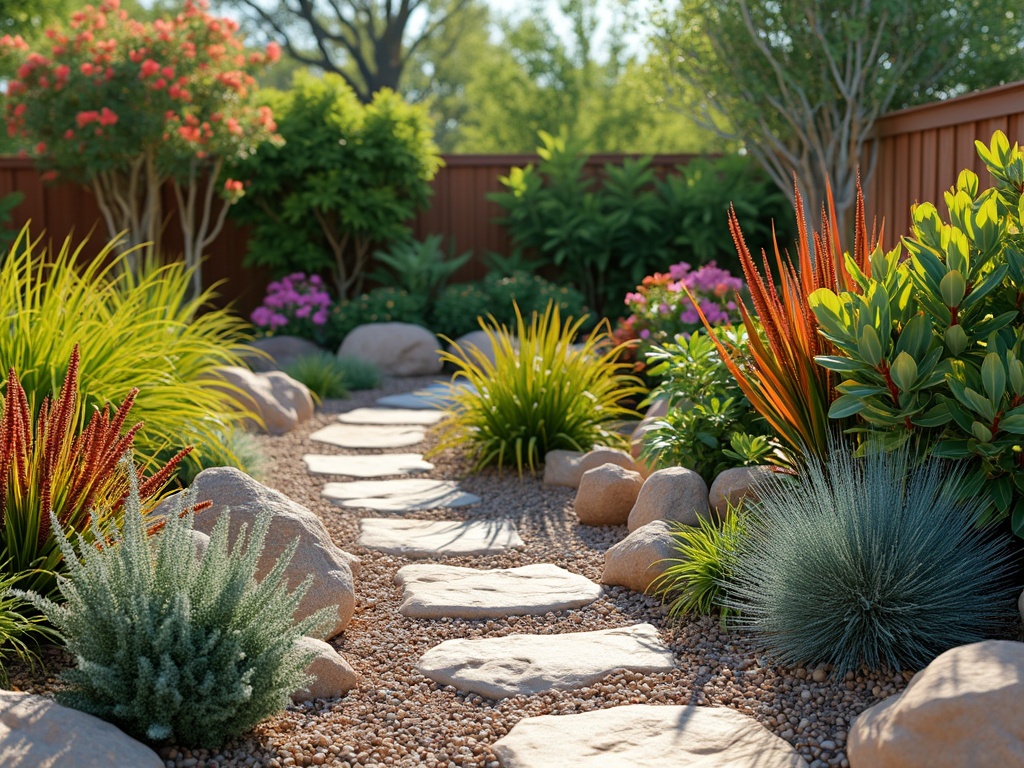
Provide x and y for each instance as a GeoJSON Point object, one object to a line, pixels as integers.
{"type": "Point", "coordinates": [171, 646]}
{"type": "Point", "coordinates": [542, 392]}
{"type": "Point", "coordinates": [64, 463]}
{"type": "Point", "coordinates": [875, 562]}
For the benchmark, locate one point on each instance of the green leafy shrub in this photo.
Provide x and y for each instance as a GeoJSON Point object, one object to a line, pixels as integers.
{"type": "Point", "coordinates": [7, 205]}
{"type": "Point", "coordinates": [698, 580]}
{"type": "Point", "coordinates": [348, 179]}
{"type": "Point", "coordinates": [323, 373]}
{"type": "Point", "coordinates": [604, 236]}
{"type": "Point", "coordinates": [710, 426]}
{"type": "Point", "coordinates": [932, 345]}
{"type": "Point", "coordinates": [381, 305]}
{"type": "Point", "coordinates": [540, 393]}
{"type": "Point", "coordinates": [20, 631]}
{"type": "Point", "coordinates": [459, 308]}
{"type": "Point", "coordinates": [144, 332]}
{"type": "Point", "coordinates": [174, 647]}
{"type": "Point", "coordinates": [65, 463]}
{"type": "Point", "coordinates": [234, 448]}
{"type": "Point", "coordinates": [359, 374]}
{"type": "Point", "coordinates": [419, 267]}
{"type": "Point", "coordinates": [874, 562]}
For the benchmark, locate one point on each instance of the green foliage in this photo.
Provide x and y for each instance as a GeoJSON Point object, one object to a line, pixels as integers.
{"type": "Point", "coordinates": [234, 447]}
{"type": "Point", "coordinates": [699, 578]}
{"type": "Point", "coordinates": [146, 332]}
{"type": "Point", "coordinates": [19, 629]}
{"type": "Point", "coordinates": [322, 372]}
{"type": "Point", "coordinates": [347, 179]}
{"type": "Point", "coordinates": [418, 267]}
{"type": "Point", "coordinates": [381, 305]}
{"type": "Point", "coordinates": [174, 647]}
{"type": "Point", "coordinates": [458, 308]}
{"type": "Point", "coordinates": [710, 426]}
{"type": "Point", "coordinates": [874, 562]}
{"type": "Point", "coordinates": [605, 237]}
{"type": "Point", "coordinates": [7, 205]}
{"type": "Point", "coordinates": [931, 345]}
{"type": "Point", "coordinates": [358, 373]}
{"type": "Point", "coordinates": [540, 393]}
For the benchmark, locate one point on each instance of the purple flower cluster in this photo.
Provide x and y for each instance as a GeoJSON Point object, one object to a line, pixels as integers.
{"type": "Point", "coordinates": [661, 309]}
{"type": "Point", "coordinates": [291, 303]}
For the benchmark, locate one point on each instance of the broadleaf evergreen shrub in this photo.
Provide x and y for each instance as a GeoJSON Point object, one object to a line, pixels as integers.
{"type": "Point", "coordinates": [171, 647]}
{"type": "Point", "coordinates": [873, 562]}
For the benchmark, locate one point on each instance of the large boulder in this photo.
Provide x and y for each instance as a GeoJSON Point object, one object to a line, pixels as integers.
{"type": "Point", "coordinates": [397, 349]}
{"type": "Point", "coordinates": [36, 732]}
{"type": "Point", "coordinates": [279, 401]}
{"type": "Point", "coordinates": [331, 567]}
{"type": "Point", "coordinates": [332, 675]}
{"type": "Point", "coordinates": [566, 468]}
{"type": "Point", "coordinates": [676, 494]}
{"type": "Point", "coordinates": [640, 558]}
{"type": "Point", "coordinates": [278, 352]}
{"type": "Point", "coordinates": [735, 485]}
{"type": "Point", "coordinates": [606, 495]}
{"type": "Point", "coordinates": [963, 709]}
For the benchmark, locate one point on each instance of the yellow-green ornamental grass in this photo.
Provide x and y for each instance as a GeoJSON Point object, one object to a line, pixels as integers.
{"type": "Point", "coordinates": [541, 393]}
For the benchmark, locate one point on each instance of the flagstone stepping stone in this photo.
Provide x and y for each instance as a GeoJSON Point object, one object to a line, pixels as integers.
{"type": "Point", "coordinates": [404, 495]}
{"type": "Point", "coordinates": [393, 416]}
{"type": "Point", "coordinates": [433, 591]}
{"type": "Point", "coordinates": [435, 396]}
{"type": "Point", "coordinates": [513, 665]}
{"type": "Point", "coordinates": [646, 736]}
{"type": "Point", "coordinates": [363, 436]}
{"type": "Point", "coordinates": [384, 465]}
{"type": "Point", "coordinates": [430, 538]}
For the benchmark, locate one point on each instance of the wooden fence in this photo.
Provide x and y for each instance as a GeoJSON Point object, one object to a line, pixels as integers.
{"type": "Point", "coordinates": [922, 149]}
{"type": "Point", "coordinates": [459, 210]}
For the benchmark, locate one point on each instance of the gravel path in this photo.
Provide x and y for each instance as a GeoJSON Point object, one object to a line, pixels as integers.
{"type": "Point", "coordinates": [399, 718]}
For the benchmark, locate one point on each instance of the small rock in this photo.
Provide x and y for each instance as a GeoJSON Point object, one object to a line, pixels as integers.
{"type": "Point", "coordinates": [675, 494]}
{"type": "Point", "coordinates": [566, 468]}
{"type": "Point", "coordinates": [734, 485]}
{"type": "Point", "coordinates": [606, 494]}
{"type": "Point", "coordinates": [278, 401]}
{"type": "Point", "coordinates": [334, 677]}
{"type": "Point", "coordinates": [641, 557]}
{"type": "Point", "coordinates": [397, 349]}
{"type": "Point", "coordinates": [36, 732]}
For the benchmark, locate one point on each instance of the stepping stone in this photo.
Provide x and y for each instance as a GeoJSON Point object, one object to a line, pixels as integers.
{"type": "Point", "coordinates": [405, 495]}
{"type": "Point", "coordinates": [429, 538]}
{"type": "Point", "coordinates": [433, 591]}
{"type": "Point", "coordinates": [646, 736]}
{"type": "Point", "coordinates": [436, 396]}
{"type": "Point", "coordinates": [384, 465]}
{"type": "Point", "coordinates": [514, 665]}
{"type": "Point", "coordinates": [391, 416]}
{"type": "Point", "coordinates": [362, 436]}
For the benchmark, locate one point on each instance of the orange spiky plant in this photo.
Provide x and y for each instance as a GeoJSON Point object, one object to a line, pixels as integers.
{"type": "Point", "coordinates": [778, 374]}
{"type": "Point", "coordinates": [53, 468]}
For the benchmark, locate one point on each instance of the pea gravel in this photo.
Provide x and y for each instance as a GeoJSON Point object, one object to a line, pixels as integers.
{"type": "Point", "coordinates": [399, 718]}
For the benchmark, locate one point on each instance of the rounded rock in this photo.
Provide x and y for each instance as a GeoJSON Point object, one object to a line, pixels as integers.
{"type": "Point", "coordinates": [734, 485]}
{"type": "Point", "coordinates": [397, 349]}
{"type": "Point", "coordinates": [673, 494]}
{"type": "Point", "coordinates": [606, 494]}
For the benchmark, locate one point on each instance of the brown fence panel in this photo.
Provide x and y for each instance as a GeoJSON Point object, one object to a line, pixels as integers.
{"type": "Point", "coordinates": [459, 210]}
{"type": "Point", "coordinates": [922, 149]}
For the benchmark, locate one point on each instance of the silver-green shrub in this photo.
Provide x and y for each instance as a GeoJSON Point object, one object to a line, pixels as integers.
{"type": "Point", "coordinates": [174, 647]}
{"type": "Point", "coordinates": [875, 562]}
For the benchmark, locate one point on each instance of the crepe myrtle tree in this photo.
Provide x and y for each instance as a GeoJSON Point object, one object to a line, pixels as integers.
{"type": "Point", "coordinates": [124, 107]}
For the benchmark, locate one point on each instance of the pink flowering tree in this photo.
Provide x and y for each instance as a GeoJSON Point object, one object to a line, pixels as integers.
{"type": "Point", "coordinates": [125, 107]}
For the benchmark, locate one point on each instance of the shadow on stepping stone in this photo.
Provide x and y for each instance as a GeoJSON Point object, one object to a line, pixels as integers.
{"type": "Point", "coordinates": [384, 465]}
{"type": "Point", "coordinates": [498, 667]}
{"type": "Point", "coordinates": [434, 591]}
{"type": "Point", "coordinates": [646, 736]}
{"type": "Point", "coordinates": [391, 416]}
{"type": "Point", "coordinates": [405, 495]}
{"type": "Point", "coordinates": [363, 436]}
{"type": "Point", "coordinates": [429, 538]}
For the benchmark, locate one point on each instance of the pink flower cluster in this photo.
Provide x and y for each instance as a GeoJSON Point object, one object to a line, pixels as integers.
{"type": "Point", "coordinates": [292, 304]}
{"type": "Point", "coordinates": [660, 308]}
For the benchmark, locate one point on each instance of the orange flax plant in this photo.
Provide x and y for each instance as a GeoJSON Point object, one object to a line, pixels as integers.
{"type": "Point", "coordinates": [61, 468]}
{"type": "Point", "coordinates": [778, 374]}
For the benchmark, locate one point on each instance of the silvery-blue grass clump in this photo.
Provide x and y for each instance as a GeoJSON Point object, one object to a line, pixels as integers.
{"type": "Point", "coordinates": [174, 647]}
{"type": "Point", "coordinates": [876, 562]}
